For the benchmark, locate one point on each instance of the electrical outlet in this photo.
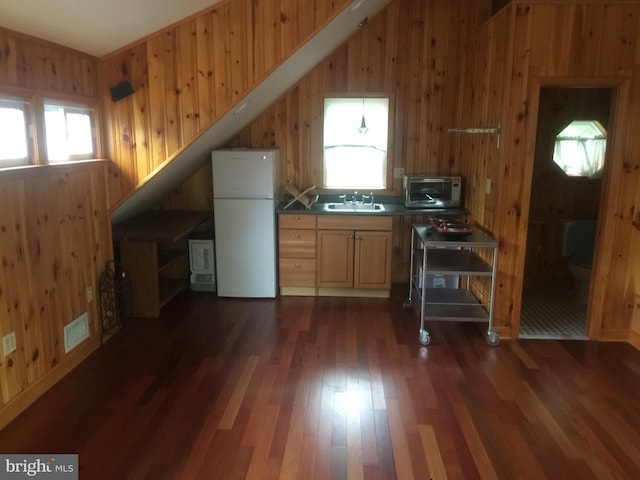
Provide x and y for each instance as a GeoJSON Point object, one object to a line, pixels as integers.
{"type": "Point", "coordinates": [398, 172]}
{"type": "Point", "coordinates": [9, 343]}
{"type": "Point", "coordinates": [89, 294]}
{"type": "Point", "coordinates": [487, 186]}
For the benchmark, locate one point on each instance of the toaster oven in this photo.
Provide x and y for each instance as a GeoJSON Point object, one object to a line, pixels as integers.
{"type": "Point", "coordinates": [424, 191]}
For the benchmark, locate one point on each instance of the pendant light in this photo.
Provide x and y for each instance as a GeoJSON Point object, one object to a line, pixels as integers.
{"type": "Point", "coordinates": [363, 124]}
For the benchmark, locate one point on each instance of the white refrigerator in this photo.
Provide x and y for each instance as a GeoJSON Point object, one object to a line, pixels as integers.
{"type": "Point", "coordinates": [244, 209]}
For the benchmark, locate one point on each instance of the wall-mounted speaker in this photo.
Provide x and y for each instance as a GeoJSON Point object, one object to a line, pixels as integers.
{"type": "Point", "coordinates": [121, 90]}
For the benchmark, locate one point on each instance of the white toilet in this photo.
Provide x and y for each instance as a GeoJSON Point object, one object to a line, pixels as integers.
{"type": "Point", "coordinates": [578, 242]}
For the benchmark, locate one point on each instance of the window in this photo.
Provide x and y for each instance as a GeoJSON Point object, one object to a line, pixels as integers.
{"type": "Point", "coordinates": [14, 147]}
{"type": "Point", "coordinates": [355, 142]}
{"type": "Point", "coordinates": [69, 133]}
{"type": "Point", "coordinates": [580, 149]}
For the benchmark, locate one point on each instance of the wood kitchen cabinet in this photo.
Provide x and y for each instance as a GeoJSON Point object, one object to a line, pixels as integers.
{"type": "Point", "coordinates": [354, 255]}
{"type": "Point", "coordinates": [297, 254]}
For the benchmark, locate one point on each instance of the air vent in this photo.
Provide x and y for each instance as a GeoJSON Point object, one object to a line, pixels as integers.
{"type": "Point", "coordinates": [76, 332]}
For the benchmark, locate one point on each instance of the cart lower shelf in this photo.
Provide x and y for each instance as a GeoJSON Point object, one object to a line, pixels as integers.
{"type": "Point", "coordinates": [453, 305]}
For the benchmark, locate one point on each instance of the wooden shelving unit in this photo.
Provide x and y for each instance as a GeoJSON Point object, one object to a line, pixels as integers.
{"type": "Point", "coordinates": [154, 253]}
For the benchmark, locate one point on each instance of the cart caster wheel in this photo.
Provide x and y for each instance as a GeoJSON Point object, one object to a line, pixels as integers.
{"type": "Point", "coordinates": [493, 339]}
{"type": "Point", "coordinates": [407, 304]}
{"type": "Point", "coordinates": [424, 338]}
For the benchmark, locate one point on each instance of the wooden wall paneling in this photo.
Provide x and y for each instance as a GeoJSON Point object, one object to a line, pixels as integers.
{"type": "Point", "coordinates": [305, 20]}
{"type": "Point", "coordinates": [290, 27]}
{"type": "Point", "coordinates": [410, 74]}
{"type": "Point", "coordinates": [195, 193]}
{"type": "Point", "coordinates": [55, 241]}
{"type": "Point", "coordinates": [139, 68]}
{"type": "Point", "coordinates": [622, 194]}
{"type": "Point", "coordinates": [433, 118]}
{"type": "Point", "coordinates": [173, 117]}
{"type": "Point", "coordinates": [32, 330]}
{"type": "Point", "coordinates": [626, 41]}
{"type": "Point", "coordinates": [157, 93]}
{"type": "Point", "coordinates": [39, 65]}
{"type": "Point", "coordinates": [271, 48]}
{"type": "Point", "coordinates": [186, 75]}
{"type": "Point", "coordinates": [565, 23]}
{"type": "Point", "coordinates": [511, 212]}
{"type": "Point", "coordinates": [592, 31]}
{"type": "Point", "coordinates": [614, 43]}
{"type": "Point", "coordinates": [241, 49]}
{"type": "Point", "coordinates": [204, 71]}
{"type": "Point", "coordinates": [8, 70]}
{"type": "Point", "coordinates": [14, 295]}
{"type": "Point", "coordinates": [40, 247]}
{"type": "Point", "coordinates": [221, 59]}
{"type": "Point", "coordinates": [548, 38]}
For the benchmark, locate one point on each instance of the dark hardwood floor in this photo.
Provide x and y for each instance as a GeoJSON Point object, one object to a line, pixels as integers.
{"type": "Point", "coordinates": [318, 388]}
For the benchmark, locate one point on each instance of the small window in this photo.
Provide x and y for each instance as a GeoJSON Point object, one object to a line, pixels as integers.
{"type": "Point", "coordinates": [69, 133]}
{"type": "Point", "coordinates": [355, 142]}
{"type": "Point", "coordinates": [580, 149]}
{"type": "Point", "coordinates": [14, 147]}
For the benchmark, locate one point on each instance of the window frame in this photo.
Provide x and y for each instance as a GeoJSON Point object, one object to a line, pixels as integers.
{"type": "Point", "coordinates": [34, 102]}
{"type": "Point", "coordinates": [388, 167]}
{"type": "Point", "coordinates": [26, 104]}
{"type": "Point", "coordinates": [72, 107]}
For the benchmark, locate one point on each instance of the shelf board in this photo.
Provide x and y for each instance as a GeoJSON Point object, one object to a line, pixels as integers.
{"type": "Point", "coordinates": [450, 296]}
{"type": "Point", "coordinates": [458, 313]}
{"type": "Point", "coordinates": [452, 304]}
{"type": "Point", "coordinates": [169, 288]}
{"type": "Point", "coordinates": [452, 261]}
{"type": "Point", "coordinates": [167, 257]}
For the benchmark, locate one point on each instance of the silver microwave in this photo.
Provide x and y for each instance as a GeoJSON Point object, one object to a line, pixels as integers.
{"type": "Point", "coordinates": [424, 191]}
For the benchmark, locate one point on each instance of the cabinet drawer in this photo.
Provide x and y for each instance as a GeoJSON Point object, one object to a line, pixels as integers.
{"type": "Point", "coordinates": [297, 272]}
{"type": "Point", "coordinates": [297, 243]}
{"type": "Point", "coordinates": [354, 222]}
{"type": "Point", "coordinates": [307, 222]}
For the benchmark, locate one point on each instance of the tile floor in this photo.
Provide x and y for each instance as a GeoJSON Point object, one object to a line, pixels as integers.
{"type": "Point", "coordinates": [552, 314]}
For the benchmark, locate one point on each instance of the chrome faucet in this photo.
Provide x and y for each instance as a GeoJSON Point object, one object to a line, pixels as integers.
{"type": "Point", "coordinates": [353, 197]}
{"type": "Point", "coordinates": [368, 197]}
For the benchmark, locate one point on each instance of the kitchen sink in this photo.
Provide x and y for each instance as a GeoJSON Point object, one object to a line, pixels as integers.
{"type": "Point", "coordinates": [354, 207]}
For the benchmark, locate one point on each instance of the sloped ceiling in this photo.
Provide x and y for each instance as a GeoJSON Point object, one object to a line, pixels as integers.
{"type": "Point", "coordinates": [192, 157]}
{"type": "Point", "coordinates": [96, 27]}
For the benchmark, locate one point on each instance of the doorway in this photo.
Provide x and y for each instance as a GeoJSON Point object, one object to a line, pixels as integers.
{"type": "Point", "coordinates": [563, 215]}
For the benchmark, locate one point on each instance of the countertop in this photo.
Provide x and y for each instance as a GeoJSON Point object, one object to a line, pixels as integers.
{"type": "Point", "coordinates": [392, 207]}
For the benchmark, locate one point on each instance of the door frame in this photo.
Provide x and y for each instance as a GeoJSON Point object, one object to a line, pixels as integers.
{"type": "Point", "coordinates": [615, 144]}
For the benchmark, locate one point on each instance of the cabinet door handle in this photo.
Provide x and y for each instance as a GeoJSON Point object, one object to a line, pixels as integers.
{"type": "Point", "coordinates": [358, 237]}
{"type": "Point", "coordinates": [297, 217]}
{"type": "Point", "coordinates": [297, 235]}
{"type": "Point", "coordinates": [297, 265]}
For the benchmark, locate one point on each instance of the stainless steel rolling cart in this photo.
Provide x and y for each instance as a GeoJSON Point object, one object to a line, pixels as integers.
{"type": "Point", "coordinates": [438, 258]}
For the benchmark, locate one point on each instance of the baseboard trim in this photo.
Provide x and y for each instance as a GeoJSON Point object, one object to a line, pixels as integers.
{"type": "Point", "coordinates": [353, 292]}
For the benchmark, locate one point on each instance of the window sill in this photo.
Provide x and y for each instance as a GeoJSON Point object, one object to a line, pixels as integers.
{"type": "Point", "coordinates": [32, 171]}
